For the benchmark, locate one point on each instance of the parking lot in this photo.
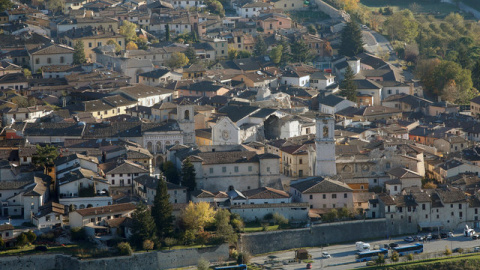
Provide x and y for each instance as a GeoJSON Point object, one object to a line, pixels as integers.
{"type": "Point", "coordinates": [343, 256]}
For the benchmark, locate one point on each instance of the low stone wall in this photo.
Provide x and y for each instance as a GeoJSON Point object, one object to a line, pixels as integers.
{"type": "Point", "coordinates": [151, 260]}
{"type": "Point", "coordinates": [317, 235]}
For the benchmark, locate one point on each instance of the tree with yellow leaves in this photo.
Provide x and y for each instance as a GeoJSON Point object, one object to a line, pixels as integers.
{"type": "Point", "coordinates": [131, 46]}
{"type": "Point", "coordinates": [198, 215]}
{"type": "Point", "coordinates": [349, 5]}
{"type": "Point", "coordinates": [177, 60]}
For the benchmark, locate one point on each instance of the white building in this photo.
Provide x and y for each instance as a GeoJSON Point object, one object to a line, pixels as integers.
{"type": "Point", "coordinates": [322, 193]}
{"type": "Point", "coordinates": [295, 78]}
{"type": "Point", "coordinates": [325, 147]}
{"type": "Point", "coordinates": [331, 104]}
{"type": "Point", "coordinates": [50, 54]}
{"type": "Point", "coordinates": [321, 80]}
{"type": "Point", "coordinates": [99, 215]}
{"type": "Point", "coordinates": [146, 95]}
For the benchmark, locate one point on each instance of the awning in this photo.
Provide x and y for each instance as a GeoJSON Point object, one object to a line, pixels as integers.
{"type": "Point", "coordinates": [433, 224]}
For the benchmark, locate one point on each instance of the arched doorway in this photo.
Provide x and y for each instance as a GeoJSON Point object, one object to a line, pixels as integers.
{"type": "Point", "coordinates": [158, 147]}
{"type": "Point", "coordinates": [150, 147]}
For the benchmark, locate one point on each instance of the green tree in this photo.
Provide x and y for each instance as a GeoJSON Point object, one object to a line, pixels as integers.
{"type": "Point", "coordinates": [45, 156]}
{"type": "Point", "coordinates": [56, 5]}
{"type": "Point", "coordinates": [27, 73]}
{"type": "Point", "coordinates": [170, 172]}
{"type": "Point", "coordinates": [118, 48]}
{"type": "Point", "coordinates": [380, 260]}
{"type": "Point", "coordinates": [170, 242]}
{"type": "Point", "coordinates": [232, 53]}
{"type": "Point", "coordinates": [31, 236]}
{"type": "Point", "coordinates": [300, 51]}
{"type": "Point", "coordinates": [395, 257]}
{"type": "Point", "coordinates": [143, 226]}
{"type": "Point", "coordinates": [351, 42]}
{"type": "Point", "coordinates": [224, 229]}
{"type": "Point", "coordinates": [203, 264]}
{"type": "Point", "coordinates": [162, 210]}
{"type": "Point", "coordinates": [276, 54]}
{"type": "Point", "coordinates": [167, 32]}
{"type": "Point", "coordinates": [330, 215]}
{"type": "Point", "coordinates": [348, 88]}
{"type": "Point", "coordinates": [279, 219]}
{"type": "Point", "coordinates": [191, 55]}
{"type": "Point", "coordinates": [260, 48]}
{"type": "Point", "coordinates": [311, 29]}
{"type": "Point", "coordinates": [124, 248]}
{"type": "Point", "coordinates": [129, 31]}
{"type": "Point", "coordinates": [243, 54]}
{"type": "Point", "coordinates": [343, 212]}
{"type": "Point", "coordinates": [476, 74]}
{"type": "Point", "coordinates": [402, 26]}
{"type": "Point", "coordinates": [22, 240]}
{"type": "Point", "coordinates": [215, 7]}
{"type": "Point", "coordinates": [5, 4]}
{"type": "Point", "coordinates": [177, 59]}
{"type": "Point", "coordinates": [188, 175]}
{"type": "Point", "coordinates": [2, 243]}
{"type": "Point", "coordinates": [448, 74]}
{"type": "Point", "coordinates": [79, 53]}
{"type": "Point", "coordinates": [285, 52]}
{"type": "Point", "coordinates": [148, 245]}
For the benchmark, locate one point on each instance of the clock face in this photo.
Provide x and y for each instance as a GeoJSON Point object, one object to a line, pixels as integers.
{"type": "Point", "coordinates": [225, 135]}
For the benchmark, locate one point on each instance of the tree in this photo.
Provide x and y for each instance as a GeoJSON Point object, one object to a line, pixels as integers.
{"type": "Point", "coordinates": [118, 48]}
{"type": "Point", "coordinates": [129, 31]}
{"type": "Point", "coordinates": [203, 264]}
{"type": "Point", "coordinates": [22, 240]}
{"type": "Point", "coordinates": [143, 226]}
{"type": "Point", "coordinates": [191, 55]}
{"type": "Point", "coordinates": [348, 88]}
{"type": "Point", "coordinates": [170, 172]}
{"type": "Point", "coordinates": [215, 7]}
{"type": "Point", "coordinates": [167, 32]}
{"type": "Point", "coordinates": [124, 249]}
{"type": "Point", "coordinates": [177, 59]}
{"type": "Point", "coordinates": [343, 213]}
{"type": "Point", "coordinates": [351, 42]}
{"type": "Point", "coordinates": [476, 74]}
{"type": "Point", "coordinates": [224, 229]}
{"type": "Point", "coordinates": [31, 236]}
{"type": "Point", "coordinates": [2, 243]}
{"type": "Point", "coordinates": [276, 54]}
{"type": "Point", "coordinates": [162, 210]}
{"type": "Point", "coordinates": [300, 51]}
{"type": "Point", "coordinates": [197, 215]}
{"type": "Point", "coordinates": [395, 256]}
{"type": "Point", "coordinates": [5, 4]}
{"type": "Point", "coordinates": [243, 54]}
{"type": "Point", "coordinates": [56, 5]}
{"type": "Point", "coordinates": [349, 5]}
{"type": "Point", "coordinates": [170, 242]}
{"type": "Point", "coordinates": [311, 29]}
{"type": "Point", "coordinates": [232, 53]}
{"type": "Point", "coordinates": [188, 175]}
{"type": "Point", "coordinates": [260, 48]}
{"type": "Point", "coordinates": [79, 53]}
{"type": "Point", "coordinates": [279, 219]}
{"type": "Point", "coordinates": [147, 245]}
{"type": "Point", "coordinates": [410, 257]}
{"type": "Point", "coordinates": [448, 251]}
{"type": "Point", "coordinates": [131, 46]}
{"type": "Point", "coordinates": [45, 156]}
{"type": "Point", "coordinates": [402, 26]}
{"type": "Point", "coordinates": [429, 185]}
{"type": "Point", "coordinates": [27, 73]}
{"type": "Point", "coordinates": [380, 260]}
{"type": "Point", "coordinates": [285, 52]}
{"type": "Point", "coordinates": [330, 215]}
{"type": "Point", "coordinates": [449, 73]}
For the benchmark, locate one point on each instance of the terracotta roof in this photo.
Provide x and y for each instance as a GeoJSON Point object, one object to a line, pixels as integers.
{"type": "Point", "coordinates": [6, 227]}
{"type": "Point", "coordinates": [115, 208]}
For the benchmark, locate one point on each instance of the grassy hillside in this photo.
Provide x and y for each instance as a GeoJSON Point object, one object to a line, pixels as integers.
{"type": "Point", "coordinates": [440, 9]}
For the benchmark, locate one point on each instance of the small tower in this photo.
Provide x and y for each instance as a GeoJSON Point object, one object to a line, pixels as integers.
{"type": "Point", "coordinates": [325, 146]}
{"type": "Point", "coordinates": [186, 121]}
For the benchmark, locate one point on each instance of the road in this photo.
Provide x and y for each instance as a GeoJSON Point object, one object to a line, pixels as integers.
{"type": "Point", "coordinates": [377, 44]}
{"type": "Point", "coordinates": [343, 256]}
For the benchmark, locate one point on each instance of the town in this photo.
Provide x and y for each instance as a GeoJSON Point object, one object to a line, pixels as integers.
{"type": "Point", "coordinates": [158, 134]}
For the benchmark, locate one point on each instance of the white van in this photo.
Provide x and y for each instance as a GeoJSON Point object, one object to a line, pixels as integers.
{"type": "Point", "coordinates": [361, 246]}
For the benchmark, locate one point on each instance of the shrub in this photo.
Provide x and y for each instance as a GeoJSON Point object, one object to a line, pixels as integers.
{"type": "Point", "coordinates": [447, 252]}
{"type": "Point", "coordinates": [124, 248]}
{"type": "Point", "coordinates": [381, 259]}
{"type": "Point", "coordinates": [78, 234]}
{"type": "Point", "coordinates": [233, 254]}
{"type": "Point", "coordinates": [31, 236]}
{"type": "Point", "coordinates": [147, 245]}
{"type": "Point", "coordinates": [268, 216]}
{"type": "Point", "coordinates": [395, 256]}
{"type": "Point", "coordinates": [170, 242]}
{"type": "Point", "coordinates": [22, 240]}
{"type": "Point", "coordinates": [203, 264]}
{"type": "Point", "coordinates": [410, 257]}
{"type": "Point", "coordinates": [279, 219]}
{"type": "Point", "coordinates": [243, 258]}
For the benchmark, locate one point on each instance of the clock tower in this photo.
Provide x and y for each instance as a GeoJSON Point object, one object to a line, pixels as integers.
{"type": "Point", "coordinates": [325, 146]}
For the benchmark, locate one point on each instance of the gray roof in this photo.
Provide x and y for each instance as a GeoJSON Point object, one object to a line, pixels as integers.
{"type": "Point", "coordinates": [330, 100]}
{"type": "Point", "coordinates": [320, 185]}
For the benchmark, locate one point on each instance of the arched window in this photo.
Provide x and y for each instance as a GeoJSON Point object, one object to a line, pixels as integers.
{"type": "Point", "coordinates": [82, 206]}
{"type": "Point", "coordinates": [325, 132]}
{"type": "Point", "coordinates": [187, 115]}
{"type": "Point", "coordinates": [159, 147]}
{"type": "Point", "coordinates": [150, 147]}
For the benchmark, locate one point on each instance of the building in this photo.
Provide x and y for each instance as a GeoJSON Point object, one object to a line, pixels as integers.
{"type": "Point", "coordinates": [50, 54]}
{"type": "Point", "coordinates": [146, 187]}
{"type": "Point", "coordinates": [252, 9]}
{"type": "Point", "coordinates": [158, 77]}
{"type": "Point", "coordinates": [322, 193]}
{"type": "Point", "coordinates": [325, 147]}
{"type": "Point", "coordinates": [331, 104]}
{"type": "Point", "coordinates": [99, 215]}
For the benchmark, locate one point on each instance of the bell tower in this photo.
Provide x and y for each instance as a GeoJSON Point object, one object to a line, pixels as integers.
{"type": "Point", "coordinates": [325, 146]}
{"type": "Point", "coordinates": [186, 121]}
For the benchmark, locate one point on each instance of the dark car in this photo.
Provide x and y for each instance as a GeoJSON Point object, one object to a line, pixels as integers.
{"type": "Point", "coordinates": [435, 236]}
{"type": "Point", "coordinates": [392, 245]}
{"type": "Point", "coordinates": [443, 235]}
{"type": "Point", "coordinates": [41, 248]}
{"type": "Point", "coordinates": [475, 237]}
{"type": "Point", "coordinates": [386, 246]}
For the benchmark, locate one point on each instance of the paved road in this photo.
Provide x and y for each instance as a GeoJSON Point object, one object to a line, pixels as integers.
{"type": "Point", "coordinates": [343, 256]}
{"type": "Point", "coordinates": [377, 44]}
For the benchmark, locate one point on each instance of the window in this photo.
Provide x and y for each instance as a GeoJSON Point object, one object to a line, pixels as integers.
{"type": "Point", "coordinates": [99, 44]}
{"type": "Point", "coordinates": [268, 169]}
{"type": "Point", "coordinates": [121, 174]}
{"type": "Point", "coordinates": [249, 168]}
{"type": "Point", "coordinates": [333, 205]}
{"type": "Point", "coordinates": [235, 168]}
{"type": "Point", "coordinates": [362, 187]}
{"type": "Point", "coordinates": [311, 197]}
{"type": "Point", "coordinates": [423, 206]}
{"type": "Point", "coordinates": [90, 45]}
{"type": "Point", "coordinates": [211, 170]}
{"type": "Point", "coordinates": [334, 196]}
{"type": "Point", "coordinates": [92, 220]}
{"type": "Point", "coordinates": [49, 60]}
{"type": "Point", "coordinates": [459, 206]}
{"type": "Point", "coordinates": [476, 209]}
{"type": "Point", "coordinates": [324, 196]}
{"type": "Point", "coordinates": [300, 161]}
{"type": "Point", "coordinates": [451, 214]}
{"type": "Point", "coordinates": [345, 195]}
{"type": "Point", "coordinates": [395, 188]}
{"type": "Point", "coordinates": [300, 173]}
{"type": "Point", "coordinates": [62, 59]}
{"type": "Point", "coordinates": [224, 169]}
{"type": "Point", "coordinates": [47, 218]}
{"type": "Point", "coordinates": [451, 205]}
{"type": "Point", "coordinates": [113, 182]}
{"type": "Point", "coordinates": [460, 214]}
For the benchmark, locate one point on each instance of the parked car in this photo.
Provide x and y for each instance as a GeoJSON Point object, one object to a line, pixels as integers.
{"type": "Point", "coordinates": [326, 255]}
{"type": "Point", "coordinates": [309, 266]}
{"type": "Point", "coordinates": [429, 236]}
{"type": "Point", "coordinates": [475, 236]}
{"type": "Point", "coordinates": [450, 234]}
{"type": "Point", "coordinates": [457, 250]}
{"type": "Point", "coordinates": [435, 236]}
{"type": "Point", "coordinates": [443, 235]}
{"type": "Point", "coordinates": [476, 249]}
{"type": "Point", "coordinates": [392, 245]}
{"type": "Point", "coordinates": [386, 246]}
{"type": "Point", "coordinates": [409, 239]}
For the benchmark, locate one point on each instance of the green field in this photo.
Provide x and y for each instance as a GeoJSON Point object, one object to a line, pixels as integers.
{"type": "Point", "coordinates": [438, 9]}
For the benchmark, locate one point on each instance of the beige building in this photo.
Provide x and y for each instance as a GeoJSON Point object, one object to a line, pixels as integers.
{"type": "Point", "coordinates": [50, 54]}
{"type": "Point", "coordinates": [99, 215]}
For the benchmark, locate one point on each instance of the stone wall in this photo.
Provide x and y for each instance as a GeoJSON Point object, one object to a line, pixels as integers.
{"type": "Point", "coordinates": [331, 11]}
{"type": "Point", "coordinates": [331, 233]}
{"type": "Point", "coordinates": [151, 260]}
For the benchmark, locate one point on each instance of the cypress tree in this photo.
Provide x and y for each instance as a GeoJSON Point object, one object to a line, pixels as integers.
{"type": "Point", "coordinates": [188, 175]}
{"type": "Point", "coordinates": [348, 88]}
{"type": "Point", "coordinates": [351, 40]}
{"type": "Point", "coordinates": [260, 47]}
{"type": "Point", "coordinates": [79, 53]}
{"type": "Point", "coordinates": [162, 210]}
{"type": "Point", "coordinates": [167, 32]}
{"type": "Point", "coordinates": [143, 226]}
